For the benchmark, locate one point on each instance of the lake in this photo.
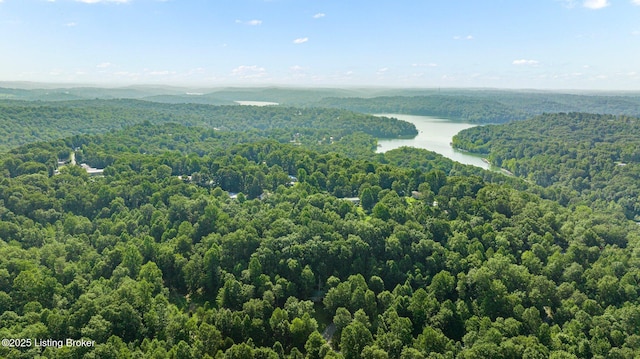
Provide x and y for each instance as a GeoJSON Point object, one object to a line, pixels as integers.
{"type": "Point", "coordinates": [434, 134]}
{"type": "Point", "coordinates": [256, 103]}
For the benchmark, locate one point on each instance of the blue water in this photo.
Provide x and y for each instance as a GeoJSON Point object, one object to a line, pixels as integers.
{"type": "Point", "coordinates": [434, 134]}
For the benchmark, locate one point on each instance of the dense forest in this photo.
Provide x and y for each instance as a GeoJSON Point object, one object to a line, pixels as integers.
{"type": "Point", "coordinates": [580, 158]}
{"type": "Point", "coordinates": [463, 108]}
{"type": "Point", "coordinates": [196, 242]}
{"type": "Point", "coordinates": [26, 122]}
{"type": "Point", "coordinates": [489, 106]}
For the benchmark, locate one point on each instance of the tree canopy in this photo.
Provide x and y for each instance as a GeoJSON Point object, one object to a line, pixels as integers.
{"type": "Point", "coordinates": [191, 245]}
{"type": "Point", "coordinates": [580, 158]}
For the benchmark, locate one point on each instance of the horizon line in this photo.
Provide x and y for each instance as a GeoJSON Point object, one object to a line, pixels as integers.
{"type": "Point", "coordinates": [46, 85]}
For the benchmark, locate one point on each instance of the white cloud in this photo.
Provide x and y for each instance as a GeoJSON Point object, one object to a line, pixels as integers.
{"type": "Point", "coordinates": [590, 4]}
{"type": "Point", "coordinates": [250, 22]}
{"type": "Point", "coordinates": [300, 40]}
{"type": "Point", "coordinates": [103, 65]}
{"type": "Point", "coordinates": [521, 62]}
{"type": "Point", "coordinates": [161, 73]}
{"type": "Point", "coordinates": [249, 72]}
{"type": "Point", "coordinates": [321, 15]}
{"type": "Point", "coordinates": [431, 64]}
{"type": "Point", "coordinates": [596, 4]}
{"type": "Point", "coordinates": [570, 4]}
{"type": "Point", "coordinates": [468, 37]}
{"type": "Point", "coordinates": [635, 2]}
{"type": "Point", "coordinates": [99, 1]}
{"type": "Point", "coordinates": [69, 24]}
{"type": "Point", "coordinates": [298, 73]}
{"type": "Point", "coordinates": [197, 70]}
{"type": "Point", "coordinates": [127, 74]}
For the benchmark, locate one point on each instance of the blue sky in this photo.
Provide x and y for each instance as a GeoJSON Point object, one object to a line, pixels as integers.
{"type": "Point", "coordinates": [537, 44]}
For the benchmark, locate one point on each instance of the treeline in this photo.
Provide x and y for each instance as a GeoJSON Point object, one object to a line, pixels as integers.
{"type": "Point", "coordinates": [102, 150]}
{"type": "Point", "coordinates": [580, 158]}
{"type": "Point", "coordinates": [155, 259]}
{"type": "Point", "coordinates": [527, 102]}
{"type": "Point", "coordinates": [27, 122]}
{"type": "Point", "coordinates": [464, 108]}
{"type": "Point", "coordinates": [171, 94]}
{"type": "Point", "coordinates": [489, 106]}
{"type": "Point", "coordinates": [537, 103]}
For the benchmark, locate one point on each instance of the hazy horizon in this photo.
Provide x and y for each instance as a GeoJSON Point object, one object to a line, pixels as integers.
{"type": "Point", "coordinates": [39, 85]}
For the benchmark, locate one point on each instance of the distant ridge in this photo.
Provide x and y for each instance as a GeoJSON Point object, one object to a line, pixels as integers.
{"type": "Point", "coordinates": [478, 105]}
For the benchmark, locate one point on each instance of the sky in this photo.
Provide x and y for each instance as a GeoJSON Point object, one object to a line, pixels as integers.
{"type": "Point", "coordinates": [519, 44]}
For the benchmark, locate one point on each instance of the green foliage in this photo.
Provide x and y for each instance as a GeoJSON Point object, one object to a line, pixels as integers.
{"type": "Point", "coordinates": [26, 122]}
{"type": "Point", "coordinates": [464, 107]}
{"type": "Point", "coordinates": [578, 157]}
{"type": "Point", "coordinates": [156, 257]}
{"type": "Point", "coordinates": [486, 106]}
